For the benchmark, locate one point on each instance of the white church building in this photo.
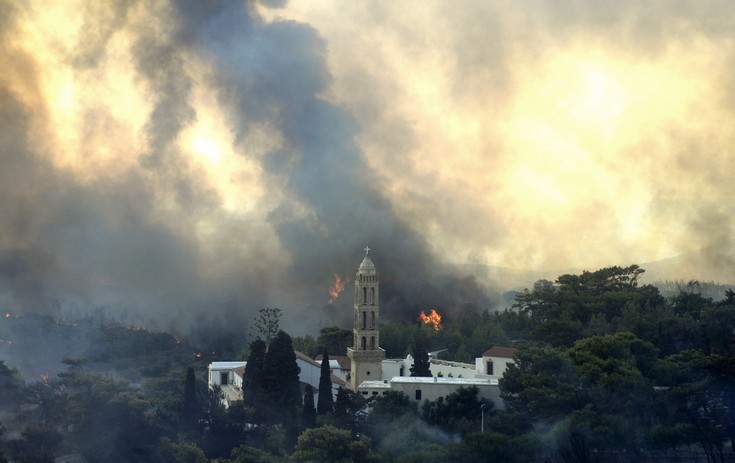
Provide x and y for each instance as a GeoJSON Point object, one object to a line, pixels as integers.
{"type": "Point", "coordinates": [372, 374]}
{"type": "Point", "coordinates": [446, 377]}
{"type": "Point", "coordinates": [365, 369]}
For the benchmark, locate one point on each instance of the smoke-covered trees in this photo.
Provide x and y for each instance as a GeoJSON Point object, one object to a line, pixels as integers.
{"type": "Point", "coordinates": [616, 367]}
{"type": "Point", "coordinates": [458, 412]}
{"type": "Point", "coordinates": [628, 371]}
{"type": "Point", "coordinates": [334, 339]}
{"type": "Point", "coordinates": [328, 443]}
{"type": "Point", "coordinates": [10, 384]}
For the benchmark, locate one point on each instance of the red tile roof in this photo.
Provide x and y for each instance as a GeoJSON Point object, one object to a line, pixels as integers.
{"type": "Point", "coordinates": [504, 352]}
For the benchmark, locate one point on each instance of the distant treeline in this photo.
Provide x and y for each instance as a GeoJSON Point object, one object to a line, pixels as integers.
{"type": "Point", "coordinates": [709, 289]}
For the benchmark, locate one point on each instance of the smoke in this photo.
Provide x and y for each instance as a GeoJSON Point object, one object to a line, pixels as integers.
{"type": "Point", "coordinates": [177, 164]}
{"type": "Point", "coordinates": [560, 135]}
{"type": "Point", "coordinates": [185, 163]}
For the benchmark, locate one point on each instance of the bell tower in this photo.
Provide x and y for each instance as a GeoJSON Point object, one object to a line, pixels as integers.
{"type": "Point", "coordinates": [365, 354]}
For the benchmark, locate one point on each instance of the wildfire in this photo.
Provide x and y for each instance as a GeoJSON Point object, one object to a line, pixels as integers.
{"type": "Point", "coordinates": [45, 379]}
{"type": "Point", "coordinates": [337, 287]}
{"type": "Point", "coordinates": [433, 319]}
{"type": "Point", "coordinates": [8, 315]}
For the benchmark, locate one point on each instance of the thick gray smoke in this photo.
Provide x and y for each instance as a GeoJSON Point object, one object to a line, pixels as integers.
{"type": "Point", "coordinates": [133, 242]}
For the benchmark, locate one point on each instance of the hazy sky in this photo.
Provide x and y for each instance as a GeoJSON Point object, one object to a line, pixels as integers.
{"type": "Point", "coordinates": [177, 157]}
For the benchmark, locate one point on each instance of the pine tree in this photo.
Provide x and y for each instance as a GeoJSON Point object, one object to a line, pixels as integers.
{"type": "Point", "coordinates": [309, 415]}
{"type": "Point", "coordinates": [350, 411]}
{"type": "Point", "coordinates": [421, 365]}
{"type": "Point", "coordinates": [326, 402]}
{"type": "Point", "coordinates": [190, 407]}
{"type": "Point", "coordinates": [266, 323]}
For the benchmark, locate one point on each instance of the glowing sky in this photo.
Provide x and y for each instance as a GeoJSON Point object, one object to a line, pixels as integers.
{"type": "Point", "coordinates": [191, 154]}
{"type": "Point", "coordinates": [542, 134]}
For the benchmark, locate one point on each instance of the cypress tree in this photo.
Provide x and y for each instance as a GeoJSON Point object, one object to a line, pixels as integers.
{"type": "Point", "coordinates": [309, 411]}
{"type": "Point", "coordinates": [326, 401]}
{"type": "Point", "coordinates": [421, 365]}
{"type": "Point", "coordinates": [252, 380]}
{"type": "Point", "coordinates": [282, 392]}
{"type": "Point", "coordinates": [190, 406]}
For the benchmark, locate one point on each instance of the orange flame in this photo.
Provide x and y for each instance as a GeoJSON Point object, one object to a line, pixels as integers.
{"type": "Point", "coordinates": [433, 319]}
{"type": "Point", "coordinates": [337, 287]}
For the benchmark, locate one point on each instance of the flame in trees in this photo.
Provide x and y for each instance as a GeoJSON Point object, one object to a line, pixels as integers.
{"type": "Point", "coordinates": [337, 287]}
{"type": "Point", "coordinates": [433, 319]}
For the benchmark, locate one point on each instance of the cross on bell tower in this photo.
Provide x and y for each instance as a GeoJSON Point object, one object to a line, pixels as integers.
{"type": "Point", "coordinates": [365, 353]}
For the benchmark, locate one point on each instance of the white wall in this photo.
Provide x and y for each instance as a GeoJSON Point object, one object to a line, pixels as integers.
{"type": "Point", "coordinates": [392, 368]}
{"type": "Point", "coordinates": [309, 373]}
{"type": "Point", "coordinates": [432, 390]}
{"type": "Point", "coordinates": [500, 364]}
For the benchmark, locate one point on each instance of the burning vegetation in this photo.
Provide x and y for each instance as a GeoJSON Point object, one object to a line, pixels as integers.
{"type": "Point", "coordinates": [336, 288]}
{"type": "Point", "coordinates": [433, 319]}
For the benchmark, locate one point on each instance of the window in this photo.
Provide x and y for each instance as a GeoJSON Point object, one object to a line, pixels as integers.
{"type": "Point", "coordinates": [363, 343]}
{"type": "Point", "coordinates": [364, 320]}
{"type": "Point", "coordinates": [372, 342]}
{"type": "Point", "coordinates": [489, 367]}
{"type": "Point", "coordinates": [375, 392]}
{"type": "Point", "coordinates": [400, 373]}
{"type": "Point", "coordinates": [372, 320]}
{"type": "Point", "coordinates": [372, 296]}
{"type": "Point", "coordinates": [418, 394]}
{"type": "Point", "coordinates": [364, 295]}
